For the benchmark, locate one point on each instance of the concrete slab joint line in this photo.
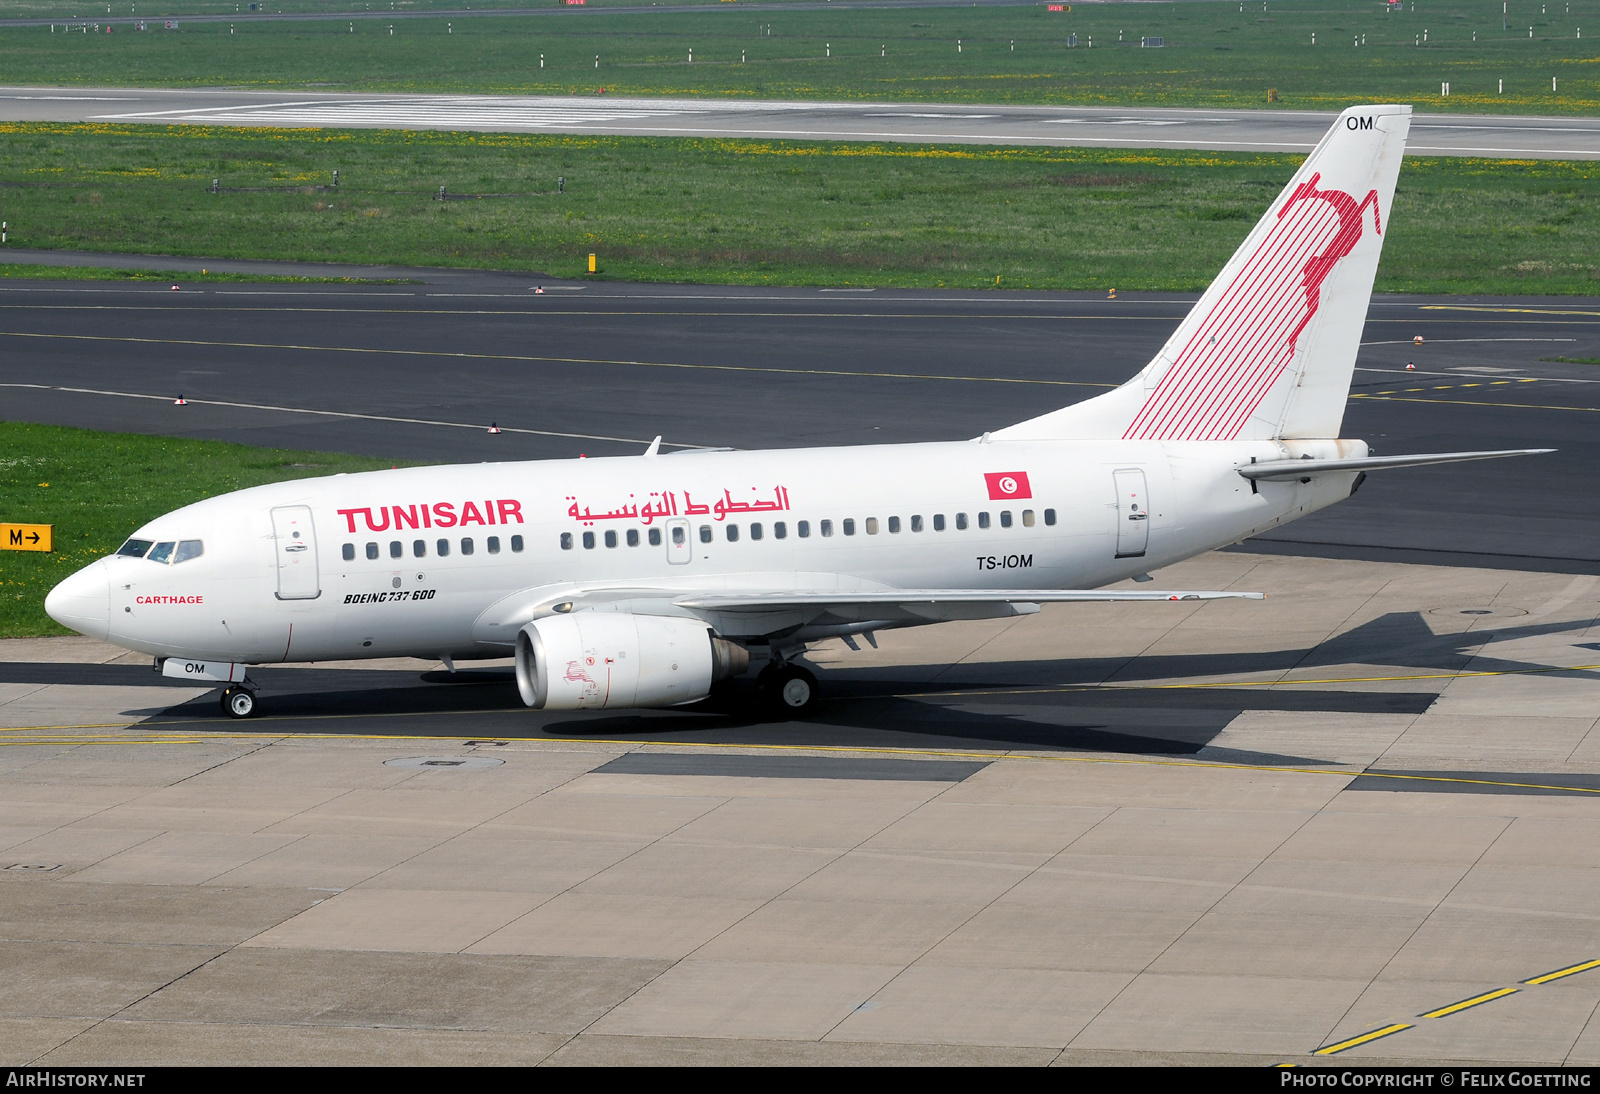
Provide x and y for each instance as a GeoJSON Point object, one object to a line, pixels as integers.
{"type": "Point", "coordinates": [1453, 1008]}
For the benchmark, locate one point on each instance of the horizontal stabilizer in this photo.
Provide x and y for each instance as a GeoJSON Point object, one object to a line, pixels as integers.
{"type": "Point", "coordinates": [1287, 470]}
{"type": "Point", "coordinates": [766, 602]}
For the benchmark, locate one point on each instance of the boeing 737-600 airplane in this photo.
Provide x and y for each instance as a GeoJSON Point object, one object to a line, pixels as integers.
{"type": "Point", "coordinates": [641, 581]}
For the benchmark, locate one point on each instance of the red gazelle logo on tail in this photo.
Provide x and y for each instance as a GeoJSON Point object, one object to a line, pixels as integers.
{"type": "Point", "coordinates": [1241, 347]}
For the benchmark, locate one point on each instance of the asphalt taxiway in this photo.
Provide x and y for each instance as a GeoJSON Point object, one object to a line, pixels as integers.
{"type": "Point", "coordinates": [420, 371]}
{"type": "Point", "coordinates": [1355, 822]}
{"type": "Point", "coordinates": [1552, 137]}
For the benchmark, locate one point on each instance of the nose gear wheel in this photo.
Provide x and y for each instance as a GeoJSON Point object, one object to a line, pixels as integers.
{"type": "Point", "coordinates": [238, 702]}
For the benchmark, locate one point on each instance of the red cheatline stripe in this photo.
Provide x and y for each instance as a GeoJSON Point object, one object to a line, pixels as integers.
{"type": "Point", "coordinates": [1264, 271]}
{"type": "Point", "coordinates": [1343, 241]}
{"type": "Point", "coordinates": [1272, 313]}
{"type": "Point", "coordinates": [1219, 406]}
{"type": "Point", "coordinates": [1203, 381]}
{"type": "Point", "coordinates": [1272, 368]}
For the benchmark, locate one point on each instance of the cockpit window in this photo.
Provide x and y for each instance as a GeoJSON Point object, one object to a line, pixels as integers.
{"type": "Point", "coordinates": [187, 549]}
{"type": "Point", "coordinates": [135, 548]}
{"type": "Point", "coordinates": [161, 552]}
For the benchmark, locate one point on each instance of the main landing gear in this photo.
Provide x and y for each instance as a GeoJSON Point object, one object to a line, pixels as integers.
{"type": "Point", "coordinates": [239, 700]}
{"type": "Point", "coordinates": [788, 690]}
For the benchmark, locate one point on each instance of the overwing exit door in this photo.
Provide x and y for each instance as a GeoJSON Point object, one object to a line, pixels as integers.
{"type": "Point", "coordinates": [680, 549]}
{"type": "Point", "coordinates": [294, 542]}
{"type": "Point", "coordinates": [1133, 513]}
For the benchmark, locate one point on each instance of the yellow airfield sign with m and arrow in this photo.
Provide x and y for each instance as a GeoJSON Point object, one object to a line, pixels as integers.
{"type": "Point", "coordinates": [25, 537]}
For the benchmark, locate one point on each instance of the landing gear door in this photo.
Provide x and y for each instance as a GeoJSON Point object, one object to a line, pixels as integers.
{"type": "Point", "coordinates": [294, 543]}
{"type": "Point", "coordinates": [1133, 513]}
{"type": "Point", "coordinates": [680, 549]}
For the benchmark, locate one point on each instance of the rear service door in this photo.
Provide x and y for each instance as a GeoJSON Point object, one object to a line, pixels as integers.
{"type": "Point", "coordinates": [1133, 513]}
{"type": "Point", "coordinates": [294, 541]}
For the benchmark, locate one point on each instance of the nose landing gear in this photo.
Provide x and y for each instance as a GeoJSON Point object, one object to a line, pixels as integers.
{"type": "Point", "coordinates": [239, 701]}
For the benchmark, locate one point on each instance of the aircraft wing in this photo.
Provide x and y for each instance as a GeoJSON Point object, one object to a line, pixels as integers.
{"type": "Point", "coordinates": [761, 609]}
{"type": "Point", "coordinates": [1286, 470]}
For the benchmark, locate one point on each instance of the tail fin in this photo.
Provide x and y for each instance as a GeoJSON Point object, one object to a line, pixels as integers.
{"type": "Point", "coordinates": [1269, 349]}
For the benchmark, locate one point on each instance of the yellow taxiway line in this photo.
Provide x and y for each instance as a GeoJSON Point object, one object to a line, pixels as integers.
{"type": "Point", "coordinates": [1371, 1035]}
{"type": "Point", "coordinates": [1468, 1004]}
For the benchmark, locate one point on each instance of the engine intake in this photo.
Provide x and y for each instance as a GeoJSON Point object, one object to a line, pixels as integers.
{"type": "Point", "coordinates": [610, 660]}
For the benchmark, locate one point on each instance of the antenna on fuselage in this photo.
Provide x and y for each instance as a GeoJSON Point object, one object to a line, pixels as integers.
{"type": "Point", "coordinates": [655, 447]}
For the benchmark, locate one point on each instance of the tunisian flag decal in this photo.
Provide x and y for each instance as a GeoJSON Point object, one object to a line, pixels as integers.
{"type": "Point", "coordinates": [1008, 485]}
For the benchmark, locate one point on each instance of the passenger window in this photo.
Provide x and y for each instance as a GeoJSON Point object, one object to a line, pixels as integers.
{"type": "Point", "coordinates": [755, 531]}
{"type": "Point", "coordinates": [633, 537]}
{"type": "Point", "coordinates": [780, 530]}
{"type": "Point", "coordinates": [443, 547]}
{"type": "Point", "coordinates": [803, 529]}
{"type": "Point", "coordinates": [396, 549]}
{"type": "Point", "coordinates": [678, 536]}
{"type": "Point", "coordinates": [826, 527]}
{"type": "Point", "coordinates": [187, 549]}
{"type": "Point", "coordinates": [611, 537]}
{"type": "Point", "coordinates": [1005, 518]}
{"type": "Point", "coordinates": [135, 548]}
{"type": "Point", "coordinates": [733, 533]}
{"type": "Point", "coordinates": [872, 526]}
{"type": "Point", "coordinates": [983, 520]}
{"type": "Point", "coordinates": [588, 541]}
{"type": "Point", "coordinates": [466, 546]}
{"type": "Point", "coordinates": [493, 543]}
{"type": "Point", "coordinates": [1050, 516]}
{"type": "Point", "coordinates": [516, 544]}
{"type": "Point", "coordinates": [349, 552]}
{"type": "Point", "coordinates": [1027, 518]}
{"type": "Point", "coordinates": [705, 533]}
{"type": "Point", "coordinates": [372, 550]}
{"type": "Point", "coordinates": [419, 548]}
{"type": "Point", "coordinates": [161, 552]}
{"type": "Point", "coordinates": [849, 525]}
{"type": "Point", "coordinates": [894, 525]}
{"type": "Point", "coordinates": [916, 524]}
{"type": "Point", "coordinates": [566, 541]}
{"type": "Point", "coordinates": [961, 522]}
{"type": "Point", "coordinates": [938, 522]}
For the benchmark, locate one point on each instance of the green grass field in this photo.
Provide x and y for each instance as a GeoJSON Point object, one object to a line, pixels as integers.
{"type": "Point", "coordinates": [95, 488]}
{"type": "Point", "coordinates": [753, 212]}
{"type": "Point", "coordinates": [1216, 54]}
{"type": "Point", "coordinates": [25, 271]}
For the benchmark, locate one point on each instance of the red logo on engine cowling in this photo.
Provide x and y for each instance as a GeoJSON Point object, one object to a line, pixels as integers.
{"type": "Point", "coordinates": [1008, 485]}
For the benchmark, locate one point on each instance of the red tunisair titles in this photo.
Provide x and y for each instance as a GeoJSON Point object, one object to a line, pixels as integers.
{"type": "Point", "coordinates": [441, 514]}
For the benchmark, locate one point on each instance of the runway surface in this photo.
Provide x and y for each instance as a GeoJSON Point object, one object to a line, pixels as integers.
{"type": "Point", "coordinates": [421, 371]}
{"type": "Point", "coordinates": [1353, 823]}
{"type": "Point", "coordinates": [1235, 130]}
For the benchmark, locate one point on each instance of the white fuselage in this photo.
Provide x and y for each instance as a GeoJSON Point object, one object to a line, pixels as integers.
{"type": "Point", "coordinates": [351, 566]}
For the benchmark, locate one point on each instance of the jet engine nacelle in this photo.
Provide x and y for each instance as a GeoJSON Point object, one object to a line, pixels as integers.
{"type": "Point", "coordinates": [601, 660]}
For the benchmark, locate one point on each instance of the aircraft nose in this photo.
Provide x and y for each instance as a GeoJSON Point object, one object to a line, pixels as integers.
{"type": "Point", "coordinates": [83, 601]}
